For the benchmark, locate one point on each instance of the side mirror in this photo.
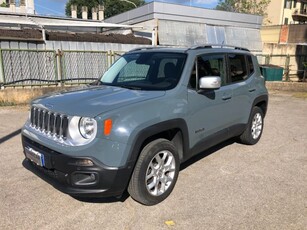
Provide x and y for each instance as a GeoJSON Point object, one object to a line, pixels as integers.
{"type": "Point", "coordinates": [209, 83]}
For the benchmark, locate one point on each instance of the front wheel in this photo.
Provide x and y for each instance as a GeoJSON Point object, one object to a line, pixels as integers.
{"type": "Point", "coordinates": [155, 173]}
{"type": "Point", "coordinates": [254, 128]}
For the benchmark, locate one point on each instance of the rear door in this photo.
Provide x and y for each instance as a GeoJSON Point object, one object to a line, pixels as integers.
{"type": "Point", "coordinates": [241, 69]}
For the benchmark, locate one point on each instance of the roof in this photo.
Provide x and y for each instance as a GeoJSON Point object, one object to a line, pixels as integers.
{"type": "Point", "coordinates": [175, 12]}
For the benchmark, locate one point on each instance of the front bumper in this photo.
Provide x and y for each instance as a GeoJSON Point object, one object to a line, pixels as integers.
{"type": "Point", "coordinates": [67, 175]}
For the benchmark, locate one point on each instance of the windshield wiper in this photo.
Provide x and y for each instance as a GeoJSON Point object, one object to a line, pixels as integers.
{"type": "Point", "coordinates": [121, 86]}
{"type": "Point", "coordinates": [129, 87]}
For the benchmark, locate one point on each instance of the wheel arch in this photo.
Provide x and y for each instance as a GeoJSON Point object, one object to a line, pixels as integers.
{"type": "Point", "coordinates": [262, 103]}
{"type": "Point", "coordinates": [174, 130]}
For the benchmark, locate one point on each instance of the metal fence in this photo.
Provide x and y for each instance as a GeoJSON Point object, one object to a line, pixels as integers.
{"type": "Point", "coordinates": [25, 67]}
{"type": "Point", "coordinates": [49, 67]}
{"type": "Point", "coordinates": [294, 65]}
{"type": "Point", "coordinates": [28, 67]}
{"type": "Point", "coordinates": [82, 66]}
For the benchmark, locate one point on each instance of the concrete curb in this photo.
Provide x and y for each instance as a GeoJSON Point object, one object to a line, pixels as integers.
{"type": "Point", "coordinates": [24, 95]}
{"type": "Point", "coordinates": [286, 86]}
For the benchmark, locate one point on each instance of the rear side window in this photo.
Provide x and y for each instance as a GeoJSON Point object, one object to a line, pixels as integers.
{"type": "Point", "coordinates": [237, 67]}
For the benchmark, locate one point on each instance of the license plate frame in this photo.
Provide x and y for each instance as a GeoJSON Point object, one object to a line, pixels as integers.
{"type": "Point", "coordinates": [35, 156]}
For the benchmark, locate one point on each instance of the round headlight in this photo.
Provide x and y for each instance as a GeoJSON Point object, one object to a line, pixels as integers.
{"type": "Point", "coordinates": [87, 127]}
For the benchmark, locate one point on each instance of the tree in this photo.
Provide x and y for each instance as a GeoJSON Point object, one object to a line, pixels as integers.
{"type": "Point", "coordinates": [4, 4]}
{"type": "Point", "coordinates": [112, 7]}
{"type": "Point", "coordinates": [244, 6]}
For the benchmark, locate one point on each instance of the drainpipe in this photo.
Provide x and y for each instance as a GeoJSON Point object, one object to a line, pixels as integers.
{"type": "Point", "coordinates": [44, 34]}
{"type": "Point", "coordinates": [40, 26]}
{"type": "Point", "coordinates": [154, 36]}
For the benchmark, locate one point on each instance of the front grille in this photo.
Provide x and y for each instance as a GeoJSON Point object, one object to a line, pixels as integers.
{"type": "Point", "coordinates": [50, 123]}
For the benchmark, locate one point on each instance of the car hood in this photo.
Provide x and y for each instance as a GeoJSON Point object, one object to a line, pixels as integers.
{"type": "Point", "coordinates": [90, 101]}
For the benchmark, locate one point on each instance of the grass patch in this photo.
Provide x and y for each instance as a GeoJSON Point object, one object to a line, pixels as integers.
{"type": "Point", "coordinates": [7, 103]}
{"type": "Point", "coordinates": [300, 95]}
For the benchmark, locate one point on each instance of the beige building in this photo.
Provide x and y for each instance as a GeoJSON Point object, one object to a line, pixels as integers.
{"type": "Point", "coordinates": [284, 37]}
{"type": "Point", "coordinates": [286, 22]}
{"type": "Point", "coordinates": [284, 12]}
{"type": "Point", "coordinates": [20, 6]}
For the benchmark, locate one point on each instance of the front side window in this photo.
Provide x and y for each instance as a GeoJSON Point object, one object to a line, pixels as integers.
{"type": "Point", "coordinates": [208, 65]}
{"type": "Point", "coordinates": [146, 71]}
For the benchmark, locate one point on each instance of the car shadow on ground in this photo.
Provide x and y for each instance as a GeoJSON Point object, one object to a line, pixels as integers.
{"type": "Point", "coordinates": [38, 172]}
{"type": "Point", "coordinates": [206, 153]}
{"type": "Point", "coordinates": [121, 198]}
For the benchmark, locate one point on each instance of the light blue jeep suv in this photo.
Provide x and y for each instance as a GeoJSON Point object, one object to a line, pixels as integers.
{"type": "Point", "coordinates": [152, 110]}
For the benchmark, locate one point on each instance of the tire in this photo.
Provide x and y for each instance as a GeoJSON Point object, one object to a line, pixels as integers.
{"type": "Point", "coordinates": [254, 128]}
{"type": "Point", "coordinates": [155, 173]}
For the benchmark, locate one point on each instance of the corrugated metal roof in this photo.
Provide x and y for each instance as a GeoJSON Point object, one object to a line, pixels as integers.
{"type": "Point", "coordinates": [79, 23]}
{"type": "Point", "coordinates": [180, 25]}
{"type": "Point", "coordinates": [9, 19]}
{"type": "Point", "coordinates": [175, 12]}
{"type": "Point", "coordinates": [191, 34]}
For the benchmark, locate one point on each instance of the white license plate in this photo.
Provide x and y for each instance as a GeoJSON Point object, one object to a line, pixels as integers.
{"type": "Point", "coordinates": [35, 156]}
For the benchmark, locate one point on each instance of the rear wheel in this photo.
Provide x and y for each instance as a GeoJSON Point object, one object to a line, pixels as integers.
{"type": "Point", "coordinates": [155, 173]}
{"type": "Point", "coordinates": [254, 128]}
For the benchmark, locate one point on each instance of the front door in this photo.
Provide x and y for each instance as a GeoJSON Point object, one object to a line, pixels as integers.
{"type": "Point", "coordinates": [210, 111]}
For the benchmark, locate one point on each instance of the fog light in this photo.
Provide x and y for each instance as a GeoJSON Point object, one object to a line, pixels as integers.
{"type": "Point", "coordinates": [84, 178]}
{"type": "Point", "coordinates": [93, 177]}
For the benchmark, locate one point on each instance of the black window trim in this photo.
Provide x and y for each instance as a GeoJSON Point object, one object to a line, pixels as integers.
{"type": "Point", "coordinates": [228, 80]}
{"type": "Point", "coordinates": [246, 66]}
{"type": "Point", "coordinates": [196, 69]}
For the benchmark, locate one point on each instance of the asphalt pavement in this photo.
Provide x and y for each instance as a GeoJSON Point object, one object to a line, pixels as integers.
{"type": "Point", "coordinates": [230, 186]}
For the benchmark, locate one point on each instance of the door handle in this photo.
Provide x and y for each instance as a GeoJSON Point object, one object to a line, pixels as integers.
{"type": "Point", "coordinates": [226, 97]}
{"type": "Point", "coordinates": [252, 90]}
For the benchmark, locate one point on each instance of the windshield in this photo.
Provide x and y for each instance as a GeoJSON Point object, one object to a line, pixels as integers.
{"type": "Point", "coordinates": [146, 71]}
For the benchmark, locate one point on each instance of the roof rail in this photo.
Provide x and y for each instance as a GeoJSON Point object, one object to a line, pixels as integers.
{"type": "Point", "coordinates": [217, 46]}
{"type": "Point", "coordinates": [146, 48]}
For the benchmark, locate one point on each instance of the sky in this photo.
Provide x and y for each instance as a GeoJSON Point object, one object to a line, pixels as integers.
{"type": "Point", "coordinates": [57, 7]}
